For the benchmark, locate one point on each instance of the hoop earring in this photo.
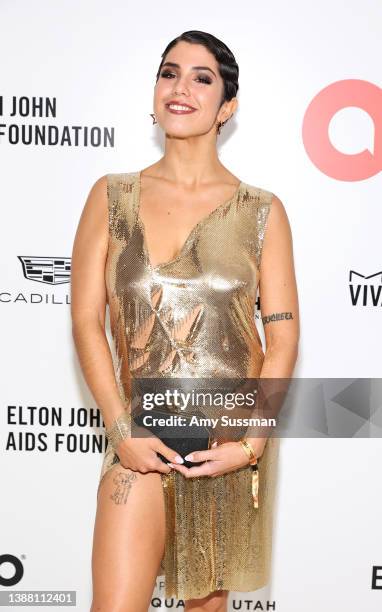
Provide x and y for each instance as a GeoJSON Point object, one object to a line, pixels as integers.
{"type": "Point", "coordinates": [154, 118]}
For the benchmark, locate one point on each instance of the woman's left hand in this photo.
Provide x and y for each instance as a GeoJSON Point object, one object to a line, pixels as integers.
{"type": "Point", "coordinates": [220, 459]}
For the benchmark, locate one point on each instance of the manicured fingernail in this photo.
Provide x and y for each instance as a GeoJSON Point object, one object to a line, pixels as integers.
{"type": "Point", "coordinates": [179, 459]}
{"type": "Point", "coordinates": [189, 457]}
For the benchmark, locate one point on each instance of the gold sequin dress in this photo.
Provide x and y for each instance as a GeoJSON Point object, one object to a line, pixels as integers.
{"type": "Point", "coordinates": [193, 316]}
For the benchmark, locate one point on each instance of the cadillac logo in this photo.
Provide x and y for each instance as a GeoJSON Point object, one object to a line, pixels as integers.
{"type": "Point", "coordinates": [49, 270]}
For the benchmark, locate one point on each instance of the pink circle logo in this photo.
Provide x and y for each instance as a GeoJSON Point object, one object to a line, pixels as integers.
{"type": "Point", "coordinates": [315, 130]}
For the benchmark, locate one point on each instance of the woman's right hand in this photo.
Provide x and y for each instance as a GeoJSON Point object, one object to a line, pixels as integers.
{"type": "Point", "coordinates": [140, 454]}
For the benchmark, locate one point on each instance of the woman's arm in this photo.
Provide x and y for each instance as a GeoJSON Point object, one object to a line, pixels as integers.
{"type": "Point", "coordinates": [88, 303]}
{"type": "Point", "coordinates": [278, 302]}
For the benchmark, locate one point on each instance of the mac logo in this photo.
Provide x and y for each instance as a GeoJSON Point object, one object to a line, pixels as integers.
{"type": "Point", "coordinates": [365, 290]}
{"type": "Point", "coordinates": [49, 270]}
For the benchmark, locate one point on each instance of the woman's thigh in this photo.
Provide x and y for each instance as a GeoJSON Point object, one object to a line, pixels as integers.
{"type": "Point", "coordinates": [214, 602]}
{"type": "Point", "coordinates": [128, 540]}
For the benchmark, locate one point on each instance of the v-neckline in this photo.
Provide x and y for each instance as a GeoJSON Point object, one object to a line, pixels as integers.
{"type": "Point", "coordinates": [192, 232]}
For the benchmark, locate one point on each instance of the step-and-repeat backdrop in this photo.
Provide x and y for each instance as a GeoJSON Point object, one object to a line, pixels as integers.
{"type": "Point", "coordinates": [76, 91]}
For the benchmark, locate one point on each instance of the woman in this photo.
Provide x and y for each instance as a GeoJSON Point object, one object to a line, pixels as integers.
{"type": "Point", "coordinates": [178, 250]}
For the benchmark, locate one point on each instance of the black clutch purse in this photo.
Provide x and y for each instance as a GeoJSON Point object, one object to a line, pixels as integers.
{"type": "Point", "coordinates": [198, 437]}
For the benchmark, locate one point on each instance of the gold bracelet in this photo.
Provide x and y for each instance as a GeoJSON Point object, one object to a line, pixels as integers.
{"type": "Point", "coordinates": [119, 430]}
{"type": "Point", "coordinates": [255, 470]}
{"type": "Point", "coordinates": [249, 451]}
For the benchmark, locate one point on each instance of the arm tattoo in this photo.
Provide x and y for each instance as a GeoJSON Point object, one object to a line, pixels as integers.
{"type": "Point", "coordinates": [276, 316]}
{"type": "Point", "coordinates": [123, 482]}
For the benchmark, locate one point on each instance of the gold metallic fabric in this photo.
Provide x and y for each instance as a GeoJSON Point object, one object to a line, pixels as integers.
{"type": "Point", "coordinates": [193, 317]}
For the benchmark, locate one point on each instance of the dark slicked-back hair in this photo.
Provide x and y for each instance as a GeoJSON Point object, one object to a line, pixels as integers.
{"type": "Point", "coordinates": [228, 68]}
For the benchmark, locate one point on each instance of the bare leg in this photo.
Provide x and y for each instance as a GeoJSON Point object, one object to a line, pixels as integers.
{"type": "Point", "coordinates": [213, 602]}
{"type": "Point", "coordinates": [128, 540]}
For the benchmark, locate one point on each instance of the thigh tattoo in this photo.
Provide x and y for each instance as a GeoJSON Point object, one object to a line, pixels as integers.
{"type": "Point", "coordinates": [123, 482]}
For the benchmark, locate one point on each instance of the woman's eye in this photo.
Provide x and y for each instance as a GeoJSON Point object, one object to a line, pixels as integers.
{"type": "Point", "coordinates": [166, 73]}
{"type": "Point", "coordinates": [205, 80]}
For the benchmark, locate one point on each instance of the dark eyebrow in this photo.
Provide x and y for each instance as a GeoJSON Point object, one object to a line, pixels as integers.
{"type": "Point", "coordinates": [193, 67]}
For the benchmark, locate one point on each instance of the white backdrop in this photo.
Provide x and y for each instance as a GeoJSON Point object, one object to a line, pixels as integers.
{"type": "Point", "coordinates": [96, 61]}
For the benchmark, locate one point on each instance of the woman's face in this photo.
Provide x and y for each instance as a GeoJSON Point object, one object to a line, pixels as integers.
{"type": "Point", "coordinates": [182, 80]}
